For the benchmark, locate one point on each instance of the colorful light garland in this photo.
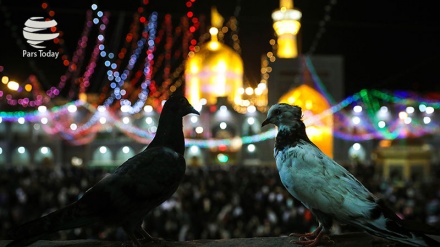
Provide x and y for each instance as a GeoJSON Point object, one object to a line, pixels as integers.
{"type": "Point", "coordinates": [60, 119]}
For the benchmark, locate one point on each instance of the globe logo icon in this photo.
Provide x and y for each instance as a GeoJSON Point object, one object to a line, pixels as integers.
{"type": "Point", "coordinates": [33, 28]}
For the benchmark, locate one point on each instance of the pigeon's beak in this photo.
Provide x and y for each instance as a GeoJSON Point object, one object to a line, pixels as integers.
{"type": "Point", "coordinates": [192, 110]}
{"type": "Point", "coordinates": [265, 122]}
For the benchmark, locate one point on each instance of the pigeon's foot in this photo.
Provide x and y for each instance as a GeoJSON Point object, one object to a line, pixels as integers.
{"type": "Point", "coordinates": [147, 237]}
{"type": "Point", "coordinates": [313, 241]}
{"type": "Point", "coordinates": [308, 235]}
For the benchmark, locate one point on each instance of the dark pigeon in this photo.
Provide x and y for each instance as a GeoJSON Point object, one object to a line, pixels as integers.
{"type": "Point", "coordinates": [328, 190]}
{"type": "Point", "coordinates": [124, 197]}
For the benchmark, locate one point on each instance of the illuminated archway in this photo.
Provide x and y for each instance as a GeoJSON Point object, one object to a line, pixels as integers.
{"type": "Point", "coordinates": [102, 156]}
{"type": "Point", "coordinates": [43, 156]}
{"type": "Point", "coordinates": [21, 157]}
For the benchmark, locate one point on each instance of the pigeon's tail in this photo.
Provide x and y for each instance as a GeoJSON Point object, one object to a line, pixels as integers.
{"type": "Point", "coordinates": [65, 218]}
{"type": "Point", "coordinates": [384, 223]}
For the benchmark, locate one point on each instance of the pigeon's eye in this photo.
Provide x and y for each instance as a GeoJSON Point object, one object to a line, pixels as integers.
{"type": "Point", "coordinates": [182, 100]}
{"type": "Point", "coordinates": [277, 112]}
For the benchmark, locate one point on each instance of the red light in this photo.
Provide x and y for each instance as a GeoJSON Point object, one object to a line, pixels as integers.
{"type": "Point", "coordinates": [142, 19]}
{"type": "Point", "coordinates": [188, 4]}
{"type": "Point", "coordinates": [193, 42]}
{"type": "Point", "coordinates": [213, 108]}
{"type": "Point", "coordinates": [190, 14]}
{"type": "Point", "coordinates": [51, 13]}
{"type": "Point", "coordinates": [222, 148]}
{"type": "Point", "coordinates": [192, 29]}
{"type": "Point", "coordinates": [129, 36]}
{"type": "Point", "coordinates": [44, 5]}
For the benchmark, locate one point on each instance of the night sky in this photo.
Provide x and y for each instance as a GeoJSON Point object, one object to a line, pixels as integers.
{"type": "Point", "coordinates": [385, 44]}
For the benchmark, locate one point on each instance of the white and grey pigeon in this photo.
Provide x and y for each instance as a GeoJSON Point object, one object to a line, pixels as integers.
{"type": "Point", "coordinates": [328, 190]}
{"type": "Point", "coordinates": [124, 197]}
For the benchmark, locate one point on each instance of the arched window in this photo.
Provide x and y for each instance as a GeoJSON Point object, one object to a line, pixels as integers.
{"type": "Point", "coordinates": [102, 156]}
{"type": "Point", "coordinates": [21, 157]}
{"type": "Point", "coordinates": [43, 156]}
{"type": "Point", "coordinates": [124, 154]}
{"type": "Point", "coordinates": [251, 126]}
{"type": "Point", "coordinates": [2, 157]}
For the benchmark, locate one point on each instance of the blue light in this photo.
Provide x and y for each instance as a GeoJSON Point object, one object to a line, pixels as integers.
{"type": "Point", "coordinates": [96, 21]}
{"type": "Point", "coordinates": [119, 78]}
{"type": "Point", "coordinates": [99, 14]}
{"type": "Point", "coordinates": [103, 53]}
{"type": "Point", "coordinates": [94, 6]}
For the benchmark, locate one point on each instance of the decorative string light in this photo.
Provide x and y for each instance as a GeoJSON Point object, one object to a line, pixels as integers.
{"type": "Point", "coordinates": [152, 24]}
{"type": "Point", "coordinates": [24, 101]}
{"type": "Point", "coordinates": [130, 40]}
{"type": "Point", "coordinates": [99, 47]}
{"type": "Point", "coordinates": [58, 40]}
{"type": "Point", "coordinates": [117, 80]}
{"type": "Point", "coordinates": [59, 122]}
{"type": "Point", "coordinates": [322, 26]}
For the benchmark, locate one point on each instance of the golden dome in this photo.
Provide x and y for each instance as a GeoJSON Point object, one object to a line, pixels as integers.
{"type": "Point", "coordinates": [313, 103]}
{"type": "Point", "coordinates": [214, 71]}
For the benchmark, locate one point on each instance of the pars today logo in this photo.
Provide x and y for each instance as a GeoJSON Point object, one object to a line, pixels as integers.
{"type": "Point", "coordinates": [34, 32]}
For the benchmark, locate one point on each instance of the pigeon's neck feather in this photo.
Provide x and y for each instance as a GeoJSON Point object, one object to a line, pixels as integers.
{"type": "Point", "coordinates": [289, 136]}
{"type": "Point", "coordinates": [169, 133]}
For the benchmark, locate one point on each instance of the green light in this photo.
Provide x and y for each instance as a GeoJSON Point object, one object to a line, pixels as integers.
{"type": "Point", "coordinates": [222, 158]}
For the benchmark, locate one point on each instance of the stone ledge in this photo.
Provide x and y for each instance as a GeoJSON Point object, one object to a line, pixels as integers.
{"type": "Point", "coordinates": [348, 239]}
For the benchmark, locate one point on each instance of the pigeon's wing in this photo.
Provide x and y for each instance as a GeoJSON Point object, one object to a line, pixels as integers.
{"type": "Point", "coordinates": [141, 183]}
{"type": "Point", "coordinates": [322, 184]}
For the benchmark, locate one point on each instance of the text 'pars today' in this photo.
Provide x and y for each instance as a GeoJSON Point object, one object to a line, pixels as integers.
{"type": "Point", "coordinates": [40, 53]}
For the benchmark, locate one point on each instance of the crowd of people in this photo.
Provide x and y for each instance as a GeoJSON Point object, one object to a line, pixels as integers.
{"type": "Point", "coordinates": [211, 203]}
